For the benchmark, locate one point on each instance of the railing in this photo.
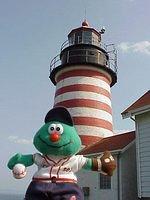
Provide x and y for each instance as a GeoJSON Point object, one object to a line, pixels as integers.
{"type": "Point", "coordinates": [110, 63]}
{"type": "Point", "coordinates": [55, 62]}
{"type": "Point", "coordinates": [112, 53]}
{"type": "Point", "coordinates": [83, 40]}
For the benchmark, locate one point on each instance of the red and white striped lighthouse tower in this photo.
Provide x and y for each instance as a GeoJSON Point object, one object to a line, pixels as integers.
{"type": "Point", "coordinates": [83, 74]}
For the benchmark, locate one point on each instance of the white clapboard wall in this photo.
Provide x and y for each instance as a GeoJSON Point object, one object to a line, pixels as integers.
{"type": "Point", "coordinates": [143, 153]}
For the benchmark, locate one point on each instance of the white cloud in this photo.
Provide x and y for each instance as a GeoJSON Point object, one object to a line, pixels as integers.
{"type": "Point", "coordinates": [16, 139]}
{"type": "Point", "coordinates": [139, 47]}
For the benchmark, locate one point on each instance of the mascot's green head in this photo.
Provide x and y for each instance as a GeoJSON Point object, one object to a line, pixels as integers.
{"type": "Point", "coordinates": [58, 136]}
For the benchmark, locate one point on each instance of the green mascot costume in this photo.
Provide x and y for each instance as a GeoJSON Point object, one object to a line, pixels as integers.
{"type": "Point", "coordinates": [58, 143]}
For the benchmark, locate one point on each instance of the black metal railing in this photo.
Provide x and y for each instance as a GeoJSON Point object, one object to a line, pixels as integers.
{"type": "Point", "coordinates": [88, 56]}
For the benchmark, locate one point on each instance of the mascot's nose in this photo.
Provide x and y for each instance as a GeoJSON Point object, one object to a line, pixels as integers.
{"type": "Point", "coordinates": [54, 137]}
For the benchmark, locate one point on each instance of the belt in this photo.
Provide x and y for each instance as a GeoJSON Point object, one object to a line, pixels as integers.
{"type": "Point", "coordinates": [55, 180]}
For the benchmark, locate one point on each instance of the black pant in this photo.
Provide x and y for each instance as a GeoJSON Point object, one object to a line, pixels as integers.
{"type": "Point", "coordinates": [53, 191]}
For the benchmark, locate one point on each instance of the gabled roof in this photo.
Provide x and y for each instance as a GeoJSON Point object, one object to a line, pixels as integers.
{"type": "Point", "coordinates": [113, 143]}
{"type": "Point", "coordinates": [141, 105]}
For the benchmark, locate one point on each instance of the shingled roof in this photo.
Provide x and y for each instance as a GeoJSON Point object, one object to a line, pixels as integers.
{"type": "Point", "coordinates": [113, 143]}
{"type": "Point", "coordinates": [141, 105]}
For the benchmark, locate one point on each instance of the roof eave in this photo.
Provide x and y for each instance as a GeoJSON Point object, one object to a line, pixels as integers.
{"type": "Point", "coordinates": [97, 154]}
{"type": "Point", "coordinates": [130, 113]}
{"type": "Point", "coordinates": [128, 146]}
{"type": "Point", "coordinates": [117, 151]}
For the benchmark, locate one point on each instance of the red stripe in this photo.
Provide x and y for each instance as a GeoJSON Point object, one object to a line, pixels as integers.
{"type": "Point", "coordinates": [90, 121]}
{"type": "Point", "coordinates": [84, 72]}
{"type": "Point", "coordinates": [50, 172]}
{"type": "Point", "coordinates": [83, 87]}
{"type": "Point", "coordinates": [57, 180]}
{"type": "Point", "coordinates": [88, 140]}
{"type": "Point", "coordinates": [85, 103]}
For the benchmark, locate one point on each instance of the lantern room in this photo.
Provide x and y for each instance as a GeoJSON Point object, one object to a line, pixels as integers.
{"type": "Point", "coordinates": [84, 35]}
{"type": "Point", "coordinates": [84, 47]}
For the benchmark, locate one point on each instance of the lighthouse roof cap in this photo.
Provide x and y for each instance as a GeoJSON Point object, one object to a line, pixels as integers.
{"type": "Point", "coordinates": [85, 23]}
{"type": "Point", "coordinates": [85, 26]}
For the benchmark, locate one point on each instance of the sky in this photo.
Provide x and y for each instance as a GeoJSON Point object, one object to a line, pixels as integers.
{"type": "Point", "coordinates": [31, 34]}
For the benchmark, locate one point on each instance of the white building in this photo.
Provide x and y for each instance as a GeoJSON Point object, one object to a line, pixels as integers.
{"type": "Point", "coordinates": [140, 110]}
{"type": "Point", "coordinates": [131, 180]}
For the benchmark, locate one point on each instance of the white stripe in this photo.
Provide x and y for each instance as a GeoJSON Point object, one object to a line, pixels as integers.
{"type": "Point", "coordinates": [93, 131]}
{"type": "Point", "coordinates": [82, 95]}
{"type": "Point", "coordinates": [87, 67]}
{"type": "Point", "coordinates": [90, 112]}
{"type": "Point", "coordinates": [83, 80]}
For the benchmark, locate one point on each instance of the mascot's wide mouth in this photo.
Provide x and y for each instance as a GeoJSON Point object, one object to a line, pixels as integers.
{"type": "Point", "coordinates": [50, 145]}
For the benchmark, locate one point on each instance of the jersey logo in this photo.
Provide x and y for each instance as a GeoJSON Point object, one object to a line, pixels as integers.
{"type": "Point", "coordinates": [66, 169]}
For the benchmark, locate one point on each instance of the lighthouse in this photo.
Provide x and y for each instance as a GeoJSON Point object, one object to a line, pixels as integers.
{"type": "Point", "coordinates": [83, 73]}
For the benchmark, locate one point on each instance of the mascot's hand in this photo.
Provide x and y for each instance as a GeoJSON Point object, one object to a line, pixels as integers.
{"type": "Point", "coordinates": [19, 171]}
{"type": "Point", "coordinates": [108, 163]}
{"type": "Point", "coordinates": [14, 160]}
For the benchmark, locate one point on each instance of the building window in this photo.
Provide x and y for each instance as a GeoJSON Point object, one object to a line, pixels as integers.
{"type": "Point", "coordinates": [86, 191]}
{"type": "Point", "coordinates": [105, 182]}
{"type": "Point", "coordinates": [87, 37]}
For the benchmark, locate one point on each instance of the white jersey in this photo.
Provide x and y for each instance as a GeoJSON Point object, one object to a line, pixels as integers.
{"type": "Point", "coordinates": [49, 167]}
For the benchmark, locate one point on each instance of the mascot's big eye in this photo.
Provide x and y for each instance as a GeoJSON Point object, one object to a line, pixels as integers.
{"type": "Point", "coordinates": [51, 128]}
{"type": "Point", "coordinates": [59, 128]}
